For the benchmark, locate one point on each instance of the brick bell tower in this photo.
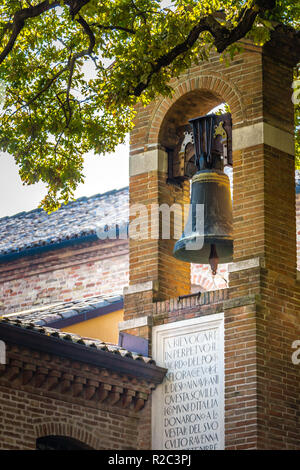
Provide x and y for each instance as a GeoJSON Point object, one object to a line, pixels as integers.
{"type": "Point", "coordinates": [252, 324]}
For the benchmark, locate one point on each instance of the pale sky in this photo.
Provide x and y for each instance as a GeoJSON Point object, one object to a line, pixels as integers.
{"type": "Point", "coordinates": [102, 173]}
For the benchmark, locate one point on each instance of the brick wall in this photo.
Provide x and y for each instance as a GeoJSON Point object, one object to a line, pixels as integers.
{"type": "Point", "coordinates": [196, 93]}
{"type": "Point", "coordinates": [42, 395]}
{"type": "Point", "coordinates": [262, 385]}
{"type": "Point", "coordinates": [26, 416]}
{"type": "Point", "coordinates": [65, 274]}
{"type": "Point", "coordinates": [151, 259]}
{"type": "Point", "coordinates": [76, 273]}
{"type": "Point", "coordinates": [203, 87]}
{"type": "Point", "coordinates": [203, 280]}
{"type": "Point", "coordinates": [262, 401]}
{"type": "Point", "coordinates": [262, 304]}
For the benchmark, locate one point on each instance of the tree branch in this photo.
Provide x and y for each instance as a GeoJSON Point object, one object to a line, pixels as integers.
{"type": "Point", "coordinates": [45, 88]}
{"type": "Point", "coordinates": [75, 57]}
{"type": "Point", "coordinates": [75, 6]}
{"type": "Point", "coordinates": [18, 23]}
{"type": "Point", "coordinates": [223, 37]}
{"type": "Point", "coordinates": [114, 28]}
{"type": "Point", "coordinates": [88, 32]}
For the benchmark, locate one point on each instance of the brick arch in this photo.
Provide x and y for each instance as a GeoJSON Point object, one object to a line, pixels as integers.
{"type": "Point", "coordinates": [214, 83]}
{"type": "Point", "coordinates": [201, 277]}
{"type": "Point", "coordinates": [73, 430]}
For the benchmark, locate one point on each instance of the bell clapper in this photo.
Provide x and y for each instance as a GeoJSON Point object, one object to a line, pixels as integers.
{"type": "Point", "coordinates": [213, 259]}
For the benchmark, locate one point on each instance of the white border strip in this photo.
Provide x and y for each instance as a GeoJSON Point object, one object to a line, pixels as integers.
{"type": "Point", "coordinates": [134, 323]}
{"type": "Point", "coordinates": [172, 329]}
{"type": "Point", "coordinates": [152, 160]}
{"type": "Point", "coordinates": [263, 133]}
{"type": "Point", "coordinates": [246, 264]}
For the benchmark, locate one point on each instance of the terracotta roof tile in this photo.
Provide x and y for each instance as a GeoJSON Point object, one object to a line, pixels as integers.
{"type": "Point", "coordinates": [79, 218]}
{"type": "Point", "coordinates": [36, 229]}
{"type": "Point", "coordinates": [46, 315]}
{"type": "Point", "coordinates": [88, 342]}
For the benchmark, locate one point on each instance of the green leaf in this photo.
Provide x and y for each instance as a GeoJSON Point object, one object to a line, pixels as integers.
{"type": "Point", "coordinates": [69, 89]}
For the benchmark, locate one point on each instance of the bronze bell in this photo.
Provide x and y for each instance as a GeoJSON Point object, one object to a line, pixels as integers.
{"type": "Point", "coordinates": [213, 242]}
{"type": "Point", "coordinates": [212, 189]}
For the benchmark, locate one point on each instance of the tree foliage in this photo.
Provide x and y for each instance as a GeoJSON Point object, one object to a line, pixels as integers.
{"type": "Point", "coordinates": [74, 69]}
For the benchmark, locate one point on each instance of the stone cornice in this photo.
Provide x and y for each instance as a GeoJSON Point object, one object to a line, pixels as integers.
{"type": "Point", "coordinates": [135, 369]}
{"type": "Point", "coordinates": [263, 133]}
{"type": "Point", "coordinates": [190, 301]}
{"type": "Point", "coordinates": [67, 380]}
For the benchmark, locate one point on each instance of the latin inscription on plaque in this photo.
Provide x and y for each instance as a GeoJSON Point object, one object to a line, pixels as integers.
{"type": "Point", "coordinates": [188, 407]}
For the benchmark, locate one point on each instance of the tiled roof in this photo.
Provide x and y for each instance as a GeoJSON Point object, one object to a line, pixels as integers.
{"type": "Point", "coordinates": [75, 310]}
{"type": "Point", "coordinates": [77, 219]}
{"type": "Point", "coordinates": [37, 229]}
{"type": "Point", "coordinates": [76, 339]}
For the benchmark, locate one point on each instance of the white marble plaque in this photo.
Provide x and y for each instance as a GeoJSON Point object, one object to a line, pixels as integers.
{"type": "Point", "coordinates": [188, 407]}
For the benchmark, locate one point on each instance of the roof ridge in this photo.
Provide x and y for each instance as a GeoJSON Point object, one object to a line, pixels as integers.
{"type": "Point", "coordinates": [75, 338]}
{"type": "Point", "coordinates": [70, 203]}
{"type": "Point", "coordinates": [70, 304]}
{"type": "Point", "coordinates": [92, 344]}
